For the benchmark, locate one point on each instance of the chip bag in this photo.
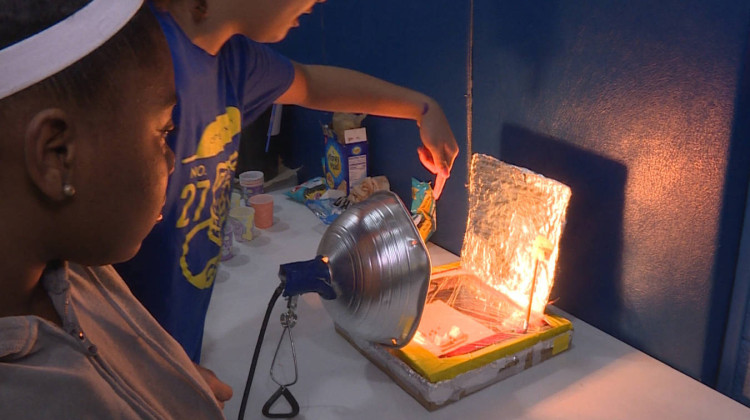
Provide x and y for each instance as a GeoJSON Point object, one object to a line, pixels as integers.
{"type": "Point", "coordinates": [423, 208]}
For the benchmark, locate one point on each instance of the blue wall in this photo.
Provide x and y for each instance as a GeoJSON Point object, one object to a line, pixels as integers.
{"type": "Point", "coordinates": [641, 97]}
{"type": "Point", "coordinates": [734, 371]}
{"type": "Point", "coordinates": [423, 48]}
{"type": "Point", "coordinates": [640, 106]}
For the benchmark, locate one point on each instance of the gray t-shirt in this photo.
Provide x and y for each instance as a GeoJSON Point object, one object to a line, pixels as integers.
{"type": "Point", "coordinates": [110, 360]}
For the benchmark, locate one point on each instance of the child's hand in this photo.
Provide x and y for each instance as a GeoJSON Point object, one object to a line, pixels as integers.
{"type": "Point", "coordinates": [440, 148]}
{"type": "Point", "coordinates": [222, 392]}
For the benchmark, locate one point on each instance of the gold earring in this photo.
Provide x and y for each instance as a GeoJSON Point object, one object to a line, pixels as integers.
{"type": "Point", "coordinates": [69, 190]}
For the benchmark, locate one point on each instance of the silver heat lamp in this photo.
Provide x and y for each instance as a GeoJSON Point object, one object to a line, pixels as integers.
{"type": "Point", "coordinates": [372, 270]}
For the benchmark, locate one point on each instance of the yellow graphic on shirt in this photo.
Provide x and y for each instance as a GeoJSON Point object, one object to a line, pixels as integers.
{"type": "Point", "coordinates": [210, 229]}
{"type": "Point", "coordinates": [217, 135]}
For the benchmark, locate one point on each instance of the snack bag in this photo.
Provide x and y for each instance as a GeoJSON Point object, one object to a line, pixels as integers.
{"type": "Point", "coordinates": [423, 208]}
{"type": "Point", "coordinates": [309, 190]}
{"type": "Point", "coordinates": [342, 121]}
{"type": "Point", "coordinates": [367, 187]}
{"type": "Point", "coordinates": [329, 205]}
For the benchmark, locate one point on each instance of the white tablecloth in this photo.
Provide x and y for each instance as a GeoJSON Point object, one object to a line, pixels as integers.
{"type": "Point", "coordinates": [598, 378]}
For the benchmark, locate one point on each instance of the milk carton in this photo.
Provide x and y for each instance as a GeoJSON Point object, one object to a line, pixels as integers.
{"type": "Point", "coordinates": [345, 161]}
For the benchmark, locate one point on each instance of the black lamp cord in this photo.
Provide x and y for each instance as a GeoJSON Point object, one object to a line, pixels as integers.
{"type": "Point", "coordinates": [256, 354]}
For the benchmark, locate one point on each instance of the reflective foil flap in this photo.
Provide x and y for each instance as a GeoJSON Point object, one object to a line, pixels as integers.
{"type": "Point", "coordinates": [514, 225]}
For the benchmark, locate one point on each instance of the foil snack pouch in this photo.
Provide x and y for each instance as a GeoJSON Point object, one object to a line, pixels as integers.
{"type": "Point", "coordinates": [423, 208]}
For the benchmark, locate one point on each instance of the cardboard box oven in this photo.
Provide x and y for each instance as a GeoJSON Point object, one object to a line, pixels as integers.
{"type": "Point", "coordinates": [345, 162]}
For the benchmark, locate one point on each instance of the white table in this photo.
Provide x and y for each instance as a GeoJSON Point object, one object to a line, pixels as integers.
{"type": "Point", "coordinates": [598, 378]}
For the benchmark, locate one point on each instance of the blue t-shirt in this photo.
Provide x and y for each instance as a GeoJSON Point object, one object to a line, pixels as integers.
{"type": "Point", "coordinates": [173, 273]}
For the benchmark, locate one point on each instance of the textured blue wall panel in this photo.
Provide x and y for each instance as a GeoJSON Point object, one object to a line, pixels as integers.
{"type": "Point", "coordinates": [734, 371]}
{"type": "Point", "coordinates": [640, 97]}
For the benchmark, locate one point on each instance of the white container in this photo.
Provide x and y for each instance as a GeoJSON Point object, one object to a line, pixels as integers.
{"type": "Point", "coordinates": [251, 183]}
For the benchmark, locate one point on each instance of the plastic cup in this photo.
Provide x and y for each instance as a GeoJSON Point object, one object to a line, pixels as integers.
{"type": "Point", "coordinates": [235, 200]}
{"type": "Point", "coordinates": [251, 183]}
{"type": "Point", "coordinates": [226, 245]}
{"type": "Point", "coordinates": [241, 223]}
{"type": "Point", "coordinates": [263, 205]}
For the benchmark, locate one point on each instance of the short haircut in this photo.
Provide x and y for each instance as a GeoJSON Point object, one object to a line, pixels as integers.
{"type": "Point", "coordinates": [91, 80]}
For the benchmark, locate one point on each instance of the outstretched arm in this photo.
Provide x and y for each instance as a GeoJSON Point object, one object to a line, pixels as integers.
{"type": "Point", "coordinates": [341, 90]}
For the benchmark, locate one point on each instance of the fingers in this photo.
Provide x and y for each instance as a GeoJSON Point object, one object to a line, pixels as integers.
{"type": "Point", "coordinates": [442, 165]}
{"type": "Point", "coordinates": [222, 391]}
{"type": "Point", "coordinates": [439, 141]}
{"type": "Point", "coordinates": [447, 158]}
{"type": "Point", "coordinates": [444, 169]}
{"type": "Point", "coordinates": [426, 158]}
{"type": "Point", "coordinates": [439, 185]}
{"type": "Point", "coordinates": [442, 172]}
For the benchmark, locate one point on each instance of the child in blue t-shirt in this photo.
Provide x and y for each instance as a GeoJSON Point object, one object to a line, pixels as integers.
{"type": "Point", "coordinates": [225, 78]}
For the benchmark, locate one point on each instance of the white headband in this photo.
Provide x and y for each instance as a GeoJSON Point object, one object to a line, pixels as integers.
{"type": "Point", "coordinates": [48, 52]}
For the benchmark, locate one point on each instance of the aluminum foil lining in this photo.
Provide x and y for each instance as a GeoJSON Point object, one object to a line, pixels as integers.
{"type": "Point", "coordinates": [514, 225]}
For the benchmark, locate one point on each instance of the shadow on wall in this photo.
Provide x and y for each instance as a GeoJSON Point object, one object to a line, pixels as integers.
{"type": "Point", "coordinates": [302, 140]}
{"type": "Point", "coordinates": [253, 155]}
{"type": "Point", "coordinates": [589, 270]}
